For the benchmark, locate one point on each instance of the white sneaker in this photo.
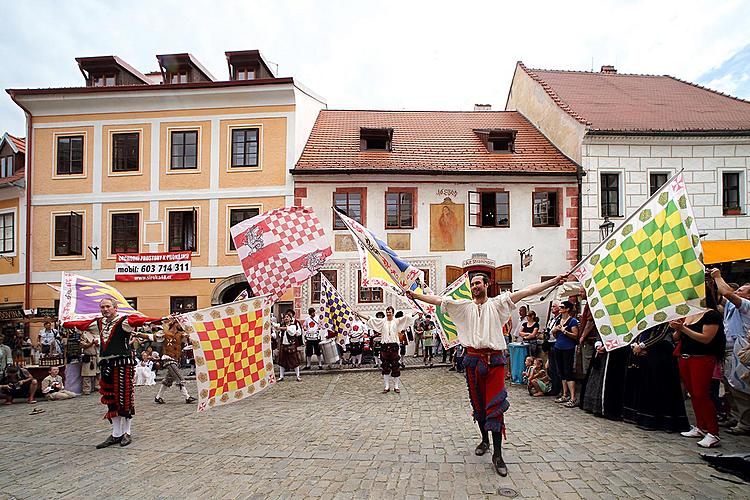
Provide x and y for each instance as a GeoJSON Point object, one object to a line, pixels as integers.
{"type": "Point", "coordinates": [709, 441]}
{"type": "Point", "coordinates": [694, 432]}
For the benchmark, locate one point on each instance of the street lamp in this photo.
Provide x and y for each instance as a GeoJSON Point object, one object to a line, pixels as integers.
{"type": "Point", "coordinates": [605, 229]}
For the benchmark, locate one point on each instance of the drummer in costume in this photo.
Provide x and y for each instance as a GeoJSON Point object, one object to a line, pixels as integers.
{"type": "Point", "coordinates": [289, 334]}
{"type": "Point", "coordinates": [117, 367]}
{"type": "Point", "coordinates": [174, 336]}
{"type": "Point", "coordinates": [312, 339]}
{"type": "Point", "coordinates": [356, 342]}
{"type": "Point", "coordinates": [479, 325]}
{"type": "Point", "coordinates": [389, 328]}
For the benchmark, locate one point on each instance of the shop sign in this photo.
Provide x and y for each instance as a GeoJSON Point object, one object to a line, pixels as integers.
{"type": "Point", "coordinates": [162, 266]}
{"type": "Point", "coordinates": [11, 314]}
{"type": "Point", "coordinates": [46, 312]}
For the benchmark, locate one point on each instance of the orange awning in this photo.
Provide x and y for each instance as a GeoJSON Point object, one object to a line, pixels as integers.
{"type": "Point", "coordinates": [715, 252]}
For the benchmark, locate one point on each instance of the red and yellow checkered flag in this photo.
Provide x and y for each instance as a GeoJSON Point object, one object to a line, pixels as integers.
{"type": "Point", "coordinates": [232, 347]}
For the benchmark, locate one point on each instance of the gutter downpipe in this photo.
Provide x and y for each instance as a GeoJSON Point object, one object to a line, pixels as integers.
{"type": "Point", "coordinates": [27, 174]}
{"type": "Point", "coordinates": [579, 176]}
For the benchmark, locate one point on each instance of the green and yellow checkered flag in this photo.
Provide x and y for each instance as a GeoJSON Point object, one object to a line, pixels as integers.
{"type": "Point", "coordinates": [459, 289]}
{"type": "Point", "coordinates": [649, 271]}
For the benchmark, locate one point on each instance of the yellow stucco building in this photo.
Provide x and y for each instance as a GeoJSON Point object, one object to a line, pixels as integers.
{"type": "Point", "coordinates": [157, 162]}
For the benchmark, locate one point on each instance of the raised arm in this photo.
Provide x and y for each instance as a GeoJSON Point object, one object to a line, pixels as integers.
{"type": "Point", "coordinates": [724, 289]}
{"type": "Point", "coordinates": [361, 316]}
{"type": "Point", "coordinates": [536, 289]}
{"type": "Point", "coordinates": [435, 300]}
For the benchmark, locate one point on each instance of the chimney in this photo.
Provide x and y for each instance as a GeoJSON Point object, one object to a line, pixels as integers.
{"type": "Point", "coordinates": [483, 107]}
{"type": "Point", "coordinates": [609, 69]}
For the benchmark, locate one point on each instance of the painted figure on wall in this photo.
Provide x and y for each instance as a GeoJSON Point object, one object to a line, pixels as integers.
{"type": "Point", "coordinates": [447, 226]}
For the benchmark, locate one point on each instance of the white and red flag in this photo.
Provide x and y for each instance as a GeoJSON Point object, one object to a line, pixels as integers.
{"type": "Point", "coordinates": [280, 248]}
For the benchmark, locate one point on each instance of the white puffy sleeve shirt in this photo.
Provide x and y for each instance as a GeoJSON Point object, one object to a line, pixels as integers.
{"type": "Point", "coordinates": [389, 329]}
{"type": "Point", "coordinates": [480, 325]}
{"type": "Point", "coordinates": [311, 329]}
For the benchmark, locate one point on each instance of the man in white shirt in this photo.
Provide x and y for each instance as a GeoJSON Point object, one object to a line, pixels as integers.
{"type": "Point", "coordinates": [736, 324]}
{"type": "Point", "coordinates": [389, 328]}
{"type": "Point", "coordinates": [47, 337]}
{"type": "Point", "coordinates": [479, 323]}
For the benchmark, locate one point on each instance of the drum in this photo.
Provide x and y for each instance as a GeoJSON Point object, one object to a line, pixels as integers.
{"type": "Point", "coordinates": [518, 354]}
{"type": "Point", "coordinates": [330, 351]}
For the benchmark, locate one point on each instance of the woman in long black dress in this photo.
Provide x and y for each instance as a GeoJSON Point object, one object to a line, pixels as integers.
{"type": "Point", "coordinates": [605, 380]}
{"type": "Point", "coordinates": [653, 394]}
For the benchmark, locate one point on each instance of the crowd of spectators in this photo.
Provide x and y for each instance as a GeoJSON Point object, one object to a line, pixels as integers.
{"type": "Point", "coordinates": [648, 382]}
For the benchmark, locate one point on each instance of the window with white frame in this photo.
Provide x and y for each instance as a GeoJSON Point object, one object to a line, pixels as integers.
{"type": "Point", "coordinates": [7, 232]}
{"type": "Point", "coordinates": [6, 166]}
{"type": "Point", "coordinates": [68, 229]}
{"type": "Point", "coordinates": [732, 192]}
{"type": "Point", "coordinates": [656, 180]}
{"type": "Point", "coordinates": [237, 215]}
{"type": "Point", "coordinates": [610, 194]}
{"type": "Point", "coordinates": [183, 230]}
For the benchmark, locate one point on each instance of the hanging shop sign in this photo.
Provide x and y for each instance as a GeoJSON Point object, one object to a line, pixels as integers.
{"type": "Point", "coordinates": [163, 266]}
{"type": "Point", "coordinates": [46, 312]}
{"type": "Point", "coordinates": [11, 314]}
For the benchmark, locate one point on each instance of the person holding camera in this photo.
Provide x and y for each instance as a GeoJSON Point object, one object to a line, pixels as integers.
{"type": "Point", "coordinates": [18, 383]}
{"type": "Point", "coordinates": [53, 388]}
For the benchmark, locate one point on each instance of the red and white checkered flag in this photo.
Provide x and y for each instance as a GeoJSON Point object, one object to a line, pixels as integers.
{"type": "Point", "coordinates": [280, 248]}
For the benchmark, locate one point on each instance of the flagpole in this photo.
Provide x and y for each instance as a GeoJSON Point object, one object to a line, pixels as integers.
{"type": "Point", "coordinates": [336, 210]}
{"type": "Point", "coordinates": [611, 235]}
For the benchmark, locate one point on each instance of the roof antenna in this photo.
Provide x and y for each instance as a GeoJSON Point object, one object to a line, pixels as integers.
{"type": "Point", "coordinates": [592, 64]}
{"type": "Point", "coordinates": [275, 64]}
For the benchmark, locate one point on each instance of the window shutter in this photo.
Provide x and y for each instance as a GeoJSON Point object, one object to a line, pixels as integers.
{"type": "Point", "coordinates": [475, 209]}
{"type": "Point", "coordinates": [76, 234]}
{"type": "Point", "coordinates": [452, 273]}
{"type": "Point", "coordinates": [504, 277]}
{"type": "Point", "coordinates": [193, 242]}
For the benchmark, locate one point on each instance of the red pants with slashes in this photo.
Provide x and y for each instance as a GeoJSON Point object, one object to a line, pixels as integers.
{"type": "Point", "coordinates": [485, 376]}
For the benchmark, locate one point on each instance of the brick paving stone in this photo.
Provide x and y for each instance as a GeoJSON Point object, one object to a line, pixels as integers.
{"type": "Point", "coordinates": [335, 436]}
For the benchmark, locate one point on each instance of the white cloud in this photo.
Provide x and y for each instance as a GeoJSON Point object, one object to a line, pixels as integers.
{"type": "Point", "coordinates": [381, 55]}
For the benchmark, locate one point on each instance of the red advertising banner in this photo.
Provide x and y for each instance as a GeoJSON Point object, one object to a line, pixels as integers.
{"type": "Point", "coordinates": [162, 266]}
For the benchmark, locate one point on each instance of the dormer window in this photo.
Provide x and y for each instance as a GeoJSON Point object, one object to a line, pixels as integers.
{"type": "Point", "coordinates": [178, 76]}
{"type": "Point", "coordinates": [375, 139]}
{"type": "Point", "coordinates": [103, 80]}
{"type": "Point", "coordinates": [498, 140]}
{"type": "Point", "coordinates": [246, 73]}
{"type": "Point", "coordinates": [247, 65]}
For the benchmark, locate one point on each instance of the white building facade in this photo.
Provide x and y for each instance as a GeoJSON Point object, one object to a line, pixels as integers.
{"type": "Point", "coordinates": [632, 132]}
{"type": "Point", "coordinates": [439, 198]}
{"type": "Point", "coordinates": [712, 165]}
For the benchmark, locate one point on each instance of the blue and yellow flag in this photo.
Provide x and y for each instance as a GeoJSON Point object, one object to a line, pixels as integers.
{"type": "Point", "coordinates": [380, 265]}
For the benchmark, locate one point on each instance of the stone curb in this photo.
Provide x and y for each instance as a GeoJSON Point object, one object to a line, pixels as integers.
{"type": "Point", "coordinates": [313, 371]}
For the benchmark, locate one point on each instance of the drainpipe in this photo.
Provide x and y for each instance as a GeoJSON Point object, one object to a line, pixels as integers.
{"type": "Point", "coordinates": [580, 173]}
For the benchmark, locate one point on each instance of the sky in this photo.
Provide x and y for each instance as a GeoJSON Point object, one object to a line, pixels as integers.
{"type": "Point", "coordinates": [395, 55]}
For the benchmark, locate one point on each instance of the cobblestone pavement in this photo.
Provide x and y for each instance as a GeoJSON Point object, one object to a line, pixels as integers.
{"type": "Point", "coordinates": [337, 436]}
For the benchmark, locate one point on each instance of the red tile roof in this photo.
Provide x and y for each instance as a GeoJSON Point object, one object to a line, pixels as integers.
{"type": "Point", "coordinates": [19, 142]}
{"type": "Point", "coordinates": [428, 141]}
{"type": "Point", "coordinates": [641, 103]}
